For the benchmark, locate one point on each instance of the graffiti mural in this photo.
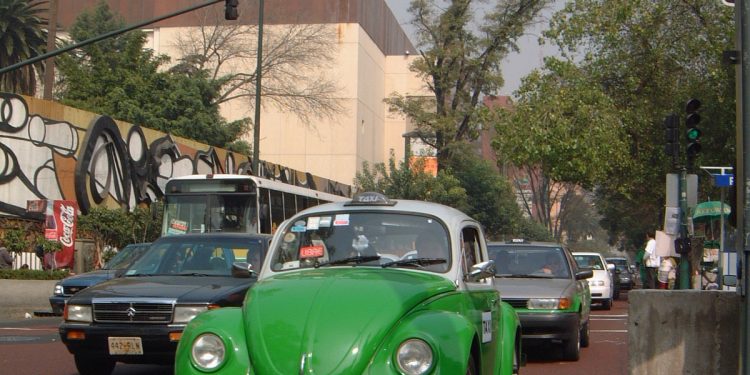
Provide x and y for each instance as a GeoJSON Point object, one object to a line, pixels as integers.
{"type": "Point", "coordinates": [50, 151]}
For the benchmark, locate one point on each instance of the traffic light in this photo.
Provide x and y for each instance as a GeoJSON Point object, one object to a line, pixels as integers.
{"type": "Point", "coordinates": [693, 134]}
{"type": "Point", "coordinates": [230, 10]}
{"type": "Point", "coordinates": [671, 138]}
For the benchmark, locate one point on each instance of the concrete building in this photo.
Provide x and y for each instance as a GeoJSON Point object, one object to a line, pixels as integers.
{"type": "Point", "coordinates": [371, 58]}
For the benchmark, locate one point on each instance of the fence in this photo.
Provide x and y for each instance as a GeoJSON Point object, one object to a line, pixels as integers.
{"type": "Point", "coordinates": [30, 259]}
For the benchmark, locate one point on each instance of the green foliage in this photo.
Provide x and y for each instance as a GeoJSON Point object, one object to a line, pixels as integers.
{"type": "Point", "coordinates": [596, 113]}
{"type": "Point", "coordinates": [23, 36]}
{"type": "Point", "coordinates": [34, 274]}
{"type": "Point", "coordinates": [15, 240]}
{"type": "Point", "coordinates": [460, 60]}
{"type": "Point", "coordinates": [404, 182]}
{"type": "Point", "coordinates": [48, 246]}
{"type": "Point", "coordinates": [121, 79]}
{"type": "Point", "coordinates": [117, 227]}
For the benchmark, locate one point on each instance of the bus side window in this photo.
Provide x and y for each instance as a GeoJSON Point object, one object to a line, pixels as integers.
{"type": "Point", "coordinates": [264, 214]}
{"type": "Point", "coordinates": [277, 209]}
{"type": "Point", "coordinates": [290, 207]}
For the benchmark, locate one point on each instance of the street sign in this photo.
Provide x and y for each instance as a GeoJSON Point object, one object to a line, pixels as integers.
{"type": "Point", "coordinates": [723, 180]}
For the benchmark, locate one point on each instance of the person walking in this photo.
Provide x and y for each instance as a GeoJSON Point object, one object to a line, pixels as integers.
{"type": "Point", "coordinates": [641, 265]}
{"type": "Point", "coordinates": [651, 261]}
{"type": "Point", "coordinates": [6, 261]}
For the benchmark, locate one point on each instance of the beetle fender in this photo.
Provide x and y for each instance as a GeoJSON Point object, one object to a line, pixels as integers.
{"type": "Point", "coordinates": [450, 335]}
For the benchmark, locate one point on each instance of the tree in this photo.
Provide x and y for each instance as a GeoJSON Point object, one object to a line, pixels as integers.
{"type": "Point", "coordinates": [624, 67]}
{"type": "Point", "coordinates": [291, 55]}
{"type": "Point", "coordinates": [460, 62]}
{"type": "Point", "coordinates": [119, 78]}
{"type": "Point", "coordinates": [23, 36]}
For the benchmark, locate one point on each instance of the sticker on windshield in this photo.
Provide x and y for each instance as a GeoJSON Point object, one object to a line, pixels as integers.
{"type": "Point", "coordinates": [289, 237]}
{"type": "Point", "coordinates": [341, 219]}
{"type": "Point", "coordinates": [486, 326]}
{"type": "Point", "coordinates": [325, 221]}
{"type": "Point", "coordinates": [299, 228]}
{"type": "Point", "coordinates": [313, 223]}
{"type": "Point", "coordinates": [315, 251]}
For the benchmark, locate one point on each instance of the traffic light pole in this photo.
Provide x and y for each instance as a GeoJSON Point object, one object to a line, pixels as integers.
{"type": "Point", "coordinates": [742, 14]}
{"type": "Point", "coordinates": [684, 268]}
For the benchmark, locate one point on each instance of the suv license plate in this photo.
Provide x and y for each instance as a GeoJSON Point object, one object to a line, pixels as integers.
{"type": "Point", "coordinates": [125, 346]}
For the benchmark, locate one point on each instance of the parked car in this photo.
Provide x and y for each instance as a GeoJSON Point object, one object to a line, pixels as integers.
{"type": "Point", "coordinates": [624, 271]}
{"type": "Point", "coordinates": [602, 283]}
{"type": "Point", "coordinates": [544, 285]}
{"type": "Point", "coordinates": [139, 317]}
{"type": "Point", "coordinates": [329, 301]}
{"type": "Point", "coordinates": [115, 267]}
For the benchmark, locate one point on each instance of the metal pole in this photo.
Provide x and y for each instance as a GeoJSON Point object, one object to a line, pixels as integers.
{"type": "Point", "coordinates": [684, 282]}
{"type": "Point", "coordinates": [720, 271]}
{"type": "Point", "coordinates": [742, 14]}
{"type": "Point", "coordinates": [258, 71]}
{"type": "Point", "coordinates": [49, 65]}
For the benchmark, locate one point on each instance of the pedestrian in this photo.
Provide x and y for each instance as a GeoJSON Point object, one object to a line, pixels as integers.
{"type": "Point", "coordinates": [6, 261]}
{"type": "Point", "coordinates": [651, 261]}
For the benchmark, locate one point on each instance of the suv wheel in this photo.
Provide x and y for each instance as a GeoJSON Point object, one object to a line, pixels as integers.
{"type": "Point", "coordinates": [572, 346]}
{"type": "Point", "coordinates": [91, 365]}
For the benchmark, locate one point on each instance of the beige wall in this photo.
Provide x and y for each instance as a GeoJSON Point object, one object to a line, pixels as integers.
{"type": "Point", "coordinates": [336, 148]}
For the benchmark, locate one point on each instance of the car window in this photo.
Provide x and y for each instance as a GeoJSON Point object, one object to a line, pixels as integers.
{"type": "Point", "coordinates": [333, 238]}
{"type": "Point", "coordinates": [470, 247]}
{"type": "Point", "coordinates": [179, 256]}
{"type": "Point", "coordinates": [592, 262]}
{"type": "Point", "coordinates": [542, 261]}
{"type": "Point", "coordinates": [125, 257]}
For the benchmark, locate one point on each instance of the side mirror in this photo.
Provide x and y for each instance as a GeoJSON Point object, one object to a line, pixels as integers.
{"type": "Point", "coordinates": [242, 270]}
{"type": "Point", "coordinates": [586, 274]}
{"type": "Point", "coordinates": [729, 280]}
{"type": "Point", "coordinates": [610, 266]}
{"type": "Point", "coordinates": [481, 271]}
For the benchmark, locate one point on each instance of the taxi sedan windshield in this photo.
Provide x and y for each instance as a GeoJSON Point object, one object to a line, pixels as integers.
{"type": "Point", "coordinates": [362, 238]}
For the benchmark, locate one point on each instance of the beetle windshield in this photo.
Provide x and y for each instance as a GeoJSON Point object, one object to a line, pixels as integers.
{"type": "Point", "coordinates": [360, 239]}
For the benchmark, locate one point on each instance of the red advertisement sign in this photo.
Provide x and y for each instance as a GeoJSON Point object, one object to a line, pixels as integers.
{"type": "Point", "coordinates": [60, 226]}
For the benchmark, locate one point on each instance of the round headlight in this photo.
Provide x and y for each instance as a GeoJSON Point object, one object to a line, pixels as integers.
{"type": "Point", "coordinates": [414, 357]}
{"type": "Point", "coordinates": [208, 351]}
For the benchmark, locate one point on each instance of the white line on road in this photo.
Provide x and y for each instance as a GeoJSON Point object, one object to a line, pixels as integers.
{"type": "Point", "coordinates": [609, 331]}
{"type": "Point", "coordinates": [609, 316]}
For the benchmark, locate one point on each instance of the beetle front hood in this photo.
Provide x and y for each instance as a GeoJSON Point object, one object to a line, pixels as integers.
{"type": "Point", "coordinates": [331, 320]}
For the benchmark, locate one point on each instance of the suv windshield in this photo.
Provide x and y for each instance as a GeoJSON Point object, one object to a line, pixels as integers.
{"type": "Point", "coordinates": [357, 238]}
{"type": "Point", "coordinates": [209, 255]}
{"type": "Point", "coordinates": [529, 261]}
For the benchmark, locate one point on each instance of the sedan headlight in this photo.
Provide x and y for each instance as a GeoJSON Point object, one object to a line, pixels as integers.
{"type": "Point", "coordinates": [58, 291]}
{"type": "Point", "coordinates": [548, 303]}
{"type": "Point", "coordinates": [208, 352]}
{"type": "Point", "coordinates": [414, 357]}
{"type": "Point", "coordinates": [78, 313]}
{"type": "Point", "coordinates": [184, 314]}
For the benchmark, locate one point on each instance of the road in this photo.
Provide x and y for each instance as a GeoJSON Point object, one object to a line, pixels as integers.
{"type": "Point", "coordinates": [33, 347]}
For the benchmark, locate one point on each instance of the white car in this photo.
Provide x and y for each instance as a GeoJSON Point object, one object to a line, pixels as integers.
{"type": "Point", "coordinates": [601, 284]}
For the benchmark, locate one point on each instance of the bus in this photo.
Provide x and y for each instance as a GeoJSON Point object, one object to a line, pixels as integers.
{"type": "Point", "coordinates": [233, 203]}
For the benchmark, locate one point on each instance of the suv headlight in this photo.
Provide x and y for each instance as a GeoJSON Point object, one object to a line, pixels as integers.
{"type": "Point", "coordinates": [184, 314]}
{"type": "Point", "coordinates": [78, 313]}
{"type": "Point", "coordinates": [208, 352]}
{"type": "Point", "coordinates": [548, 303]}
{"type": "Point", "coordinates": [58, 291]}
{"type": "Point", "coordinates": [596, 282]}
{"type": "Point", "coordinates": [414, 357]}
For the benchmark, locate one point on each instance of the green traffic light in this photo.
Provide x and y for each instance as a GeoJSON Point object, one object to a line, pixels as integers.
{"type": "Point", "coordinates": [693, 134]}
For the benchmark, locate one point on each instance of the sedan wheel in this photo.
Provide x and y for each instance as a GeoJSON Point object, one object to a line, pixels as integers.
{"type": "Point", "coordinates": [572, 346]}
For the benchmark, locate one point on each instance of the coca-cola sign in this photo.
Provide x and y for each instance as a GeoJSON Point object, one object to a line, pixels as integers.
{"type": "Point", "coordinates": [67, 218]}
{"type": "Point", "coordinates": [61, 225]}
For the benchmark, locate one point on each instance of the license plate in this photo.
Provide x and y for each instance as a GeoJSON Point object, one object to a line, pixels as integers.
{"type": "Point", "coordinates": [125, 346]}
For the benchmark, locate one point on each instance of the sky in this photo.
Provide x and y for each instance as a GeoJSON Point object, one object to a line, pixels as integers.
{"type": "Point", "coordinates": [516, 65]}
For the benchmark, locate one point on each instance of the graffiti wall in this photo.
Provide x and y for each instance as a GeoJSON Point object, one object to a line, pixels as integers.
{"type": "Point", "coordinates": [55, 152]}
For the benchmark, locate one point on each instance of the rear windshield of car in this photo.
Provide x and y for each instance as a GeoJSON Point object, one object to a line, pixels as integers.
{"type": "Point", "coordinates": [591, 262]}
{"type": "Point", "coordinates": [620, 264]}
{"type": "Point", "coordinates": [531, 261]}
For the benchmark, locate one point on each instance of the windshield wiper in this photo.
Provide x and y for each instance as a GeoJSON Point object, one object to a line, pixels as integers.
{"type": "Point", "coordinates": [420, 262]}
{"type": "Point", "coordinates": [356, 260]}
{"type": "Point", "coordinates": [193, 274]}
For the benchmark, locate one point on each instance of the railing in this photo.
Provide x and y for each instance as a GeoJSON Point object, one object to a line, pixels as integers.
{"type": "Point", "coordinates": [30, 259]}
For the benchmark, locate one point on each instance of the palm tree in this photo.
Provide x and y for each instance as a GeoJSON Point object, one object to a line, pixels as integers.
{"type": "Point", "coordinates": [23, 35]}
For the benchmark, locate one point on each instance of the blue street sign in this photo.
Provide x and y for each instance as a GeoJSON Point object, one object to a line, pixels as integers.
{"type": "Point", "coordinates": [723, 180]}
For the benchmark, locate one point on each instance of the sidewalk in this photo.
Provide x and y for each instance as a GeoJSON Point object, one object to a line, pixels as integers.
{"type": "Point", "coordinates": [18, 297]}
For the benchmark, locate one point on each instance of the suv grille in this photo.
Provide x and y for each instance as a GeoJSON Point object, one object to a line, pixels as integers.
{"type": "Point", "coordinates": [133, 312]}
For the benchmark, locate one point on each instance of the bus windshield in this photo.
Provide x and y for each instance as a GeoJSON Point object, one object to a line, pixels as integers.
{"type": "Point", "coordinates": [210, 213]}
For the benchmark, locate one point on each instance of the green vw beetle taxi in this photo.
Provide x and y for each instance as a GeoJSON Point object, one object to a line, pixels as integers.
{"type": "Point", "coordinates": [369, 286]}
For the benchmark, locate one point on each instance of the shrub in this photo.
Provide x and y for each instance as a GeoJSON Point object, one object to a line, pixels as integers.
{"type": "Point", "coordinates": [34, 274]}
